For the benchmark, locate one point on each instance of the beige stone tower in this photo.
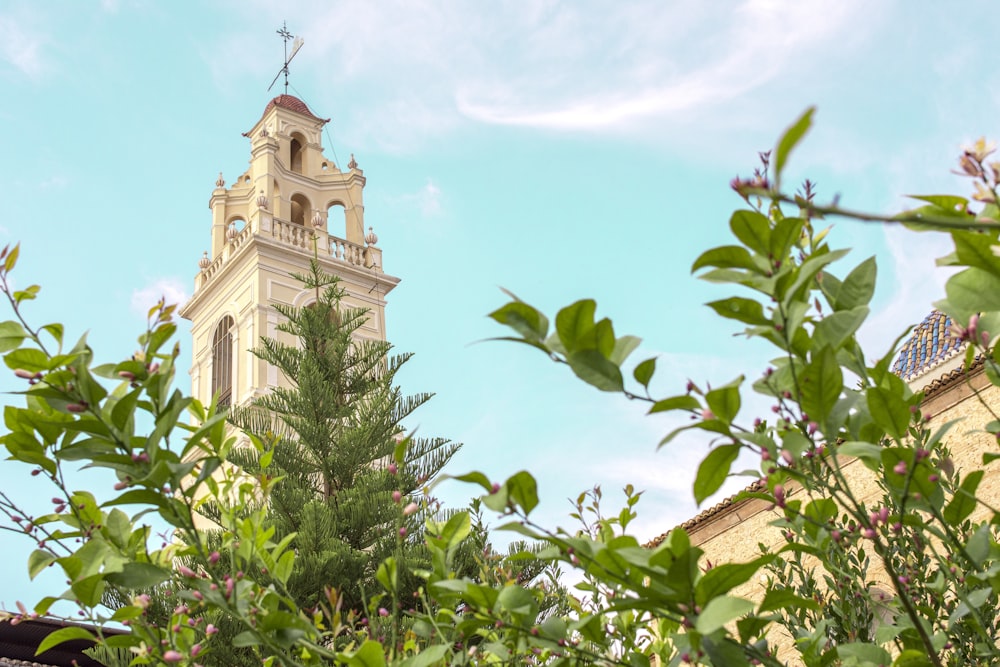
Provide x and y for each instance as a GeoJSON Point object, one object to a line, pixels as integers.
{"type": "Point", "coordinates": [291, 203]}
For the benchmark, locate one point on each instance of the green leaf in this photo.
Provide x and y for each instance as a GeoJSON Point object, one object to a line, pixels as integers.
{"type": "Point", "coordinates": [11, 335]}
{"type": "Point", "coordinates": [369, 655]}
{"type": "Point", "coordinates": [783, 598]}
{"type": "Point", "coordinates": [744, 310]}
{"type": "Point", "coordinates": [788, 141]}
{"type": "Point", "coordinates": [476, 477]}
{"type": "Point", "coordinates": [596, 370]}
{"type": "Point", "coordinates": [752, 229]}
{"type": "Point", "coordinates": [63, 635]}
{"type": "Point", "coordinates": [723, 578]}
{"type": "Point", "coordinates": [785, 234]}
{"type": "Point", "coordinates": [912, 658]}
{"type": "Point", "coordinates": [28, 359]}
{"type": "Point", "coordinates": [724, 402]}
{"type": "Point", "coordinates": [726, 257]}
{"type": "Point", "coordinates": [459, 525]}
{"type": "Point", "coordinates": [971, 291]}
{"type": "Point", "coordinates": [643, 373]}
{"type": "Point", "coordinates": [725, 652]}
{"type": "Point", "coordinates": [246, 638]}
{"type": "Point", "coordinates": [865, 653]}
{"type": "Point", "coordinates": [138, 575]}
{"type": "Point", "coordinates": [624, 346]}
{"type": "Point", "coordinates": [861, 450]}
{"type": "Point", "coordinates": [388, 574]}
{"type": "Point", "coordinates": [858, 287]}
{"type": "Point", "coordinates": [889, 410]}
{"type": "Point", "coordinates": [681, 402]}
{"type": "Point", "coordinates": [721, 610]}
{"type": "Point", "coordinates": [523, 490]}
{"type": "Point", "coordinates": [38, 561]}
{"type": "Point", "coordinates": [821, 384]}
{"type": "Point", "coordinates": [574, 322]}
{"type": "Point", "coordinates": [836, 328]}
{"type": "Point", "coordinates": [516, 600]}
{"type": "Point", "coordinates": [964, 501]}
{"type": "Point", "coordinates": [713, 471]}
{"type": "Point", "coordinates": [11, 258]}
{"type": "Point", "coordinates": [428, 656]}
{"type": "Point", "coordinates": [524, 319]}
{"type": "Point", "coordinates": [975, 249]}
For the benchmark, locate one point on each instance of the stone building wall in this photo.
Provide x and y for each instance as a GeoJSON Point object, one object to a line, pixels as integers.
{"type": "Point", "coordinates": [735, 531]}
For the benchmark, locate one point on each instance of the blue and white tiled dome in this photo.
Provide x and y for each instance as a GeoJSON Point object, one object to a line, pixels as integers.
{"type": "Point", "coordinates": [930, 345]}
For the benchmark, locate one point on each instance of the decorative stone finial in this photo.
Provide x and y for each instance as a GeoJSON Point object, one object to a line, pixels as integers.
{"type": "Point", "coordinates": [220, 182]}
{"type": "Point", "coordinates": [317, 220]}
{"type": "Point", "coordinates": [204, 262]}
{"type": "Point", "coordinates": [353, 164]}
{"type": "Point", "coordinates": [370, 237]}
{"type": "Point", "coordinates": [262, 201]}
{"type": "Point", "coordinates": [231, 232]}
{"type": "Point", "coordinates": [264, 133]}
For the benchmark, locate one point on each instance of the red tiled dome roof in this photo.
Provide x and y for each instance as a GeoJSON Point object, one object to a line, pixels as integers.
{"type": "Point", "coordinates": [292, 104]}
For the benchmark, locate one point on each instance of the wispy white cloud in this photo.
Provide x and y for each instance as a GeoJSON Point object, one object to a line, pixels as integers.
{"type": "Point", "coordinates": [432, 67]}
{"type": "Point", "coordinates": [171, 289]}
{"type": "Point", "coordinates": [21, 44]}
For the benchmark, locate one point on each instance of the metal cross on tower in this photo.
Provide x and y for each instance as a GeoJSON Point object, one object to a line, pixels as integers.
{"type": "Point", "coordinates": [296, 45]}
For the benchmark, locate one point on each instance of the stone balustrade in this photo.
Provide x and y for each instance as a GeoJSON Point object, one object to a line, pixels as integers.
{"type": "Point", "coordinates": [297, 236]}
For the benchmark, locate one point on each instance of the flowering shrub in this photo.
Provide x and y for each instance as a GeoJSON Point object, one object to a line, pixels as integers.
{"type": "Point", "coordinates": [935, 605]}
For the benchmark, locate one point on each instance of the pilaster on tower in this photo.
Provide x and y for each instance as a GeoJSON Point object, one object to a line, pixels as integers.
{"type": "Point", "coordinates": [291, 204]}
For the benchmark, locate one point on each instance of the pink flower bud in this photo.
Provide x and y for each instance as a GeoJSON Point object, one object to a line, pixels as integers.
{"type": "Point", "coordinates": [382, 611]}
{"type": "Point", "coordinates": [402, 531]}
{"type": "Point", "coordinates": [172, 656]}
{"type": "Point", "coordinates": [195, 650]}
{"type": "Point", "coordinates": [835, 534]}
{"type": "Point", "coordinates": [883, 514]}
{"type": "Point", "coordinates": [787, 457]}
{"type": "Point", "coordinates": [126, 375]}
{"type": "Point", "coordinates": [765, 455]}
{"type": "Point", "coordinates": [186, 571]}
{"type": "Point", "coordinates": [197, 595]}
{"type": "Point", "coordinates": [900, 468]}
{"type": "Point", "coordinates": [210, 629]}
{"type": "Point", "coordinates": [869, 533]}
{"type": "Point", "coordinates": [393, 469]}
{"type": "Point", "coordinates": [495, 488]}
{"type": "Point", "coordinates": [121, 485]}
{"type": "Point", "coordinates": [779, 495]}
{"type": "Point", "coordinates": [707, 414]}
{"type": "Point", "coordinates": [24, 375]}
{"type": "Point", "coordinates": [77, 407]}
{"type": "Point", "coordinates": [812, 428]}
{"type": "Point", "coordinates": [396, 497]}
{"type": "Point", "coordinates": [410, 509]}
{"type": "Point", "coordinates": [214, 557]}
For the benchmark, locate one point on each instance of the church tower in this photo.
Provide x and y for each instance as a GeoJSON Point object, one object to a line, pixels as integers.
{"type": "Point", "coordinates": [291, 204]}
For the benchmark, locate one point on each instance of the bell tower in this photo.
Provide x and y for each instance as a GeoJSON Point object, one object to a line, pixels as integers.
{"type": "Point", "coordinates": [292, 204]}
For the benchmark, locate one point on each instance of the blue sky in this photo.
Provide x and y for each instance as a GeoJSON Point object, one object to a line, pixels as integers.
{"type": "Point", "coordinates": [560, 150]}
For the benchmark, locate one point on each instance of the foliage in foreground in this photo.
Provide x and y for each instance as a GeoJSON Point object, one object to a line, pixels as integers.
{"type": "Point", "coordinates": [929, 531]}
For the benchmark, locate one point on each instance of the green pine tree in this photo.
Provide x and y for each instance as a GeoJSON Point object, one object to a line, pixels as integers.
{"type": "Point", "coordinates": [334, 431]}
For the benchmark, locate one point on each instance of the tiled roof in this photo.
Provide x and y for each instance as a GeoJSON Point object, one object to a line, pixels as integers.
{"type": "Point", "coordinates": [709, 513]}
{"type": "Point", "coordinates": [292, 104]}
{"type": "Point", "coordinates": [930, 344]}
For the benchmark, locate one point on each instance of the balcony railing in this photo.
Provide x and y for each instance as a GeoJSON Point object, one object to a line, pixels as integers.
{"type": "Point", "coordinates": [296, 236]}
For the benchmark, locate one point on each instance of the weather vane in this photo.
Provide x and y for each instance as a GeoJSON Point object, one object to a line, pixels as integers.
{"type": "Point", "coordinates": [296, 45]}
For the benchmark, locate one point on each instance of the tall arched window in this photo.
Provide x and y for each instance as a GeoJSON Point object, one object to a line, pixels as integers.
{"type": "Point", "coordinates": [222, 361]}
{"type": "Point", "coordinates": [295, 161]}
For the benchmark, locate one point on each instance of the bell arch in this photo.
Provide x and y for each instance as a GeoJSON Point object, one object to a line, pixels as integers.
{"type": "Point", "coordinates": [300, 208]}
